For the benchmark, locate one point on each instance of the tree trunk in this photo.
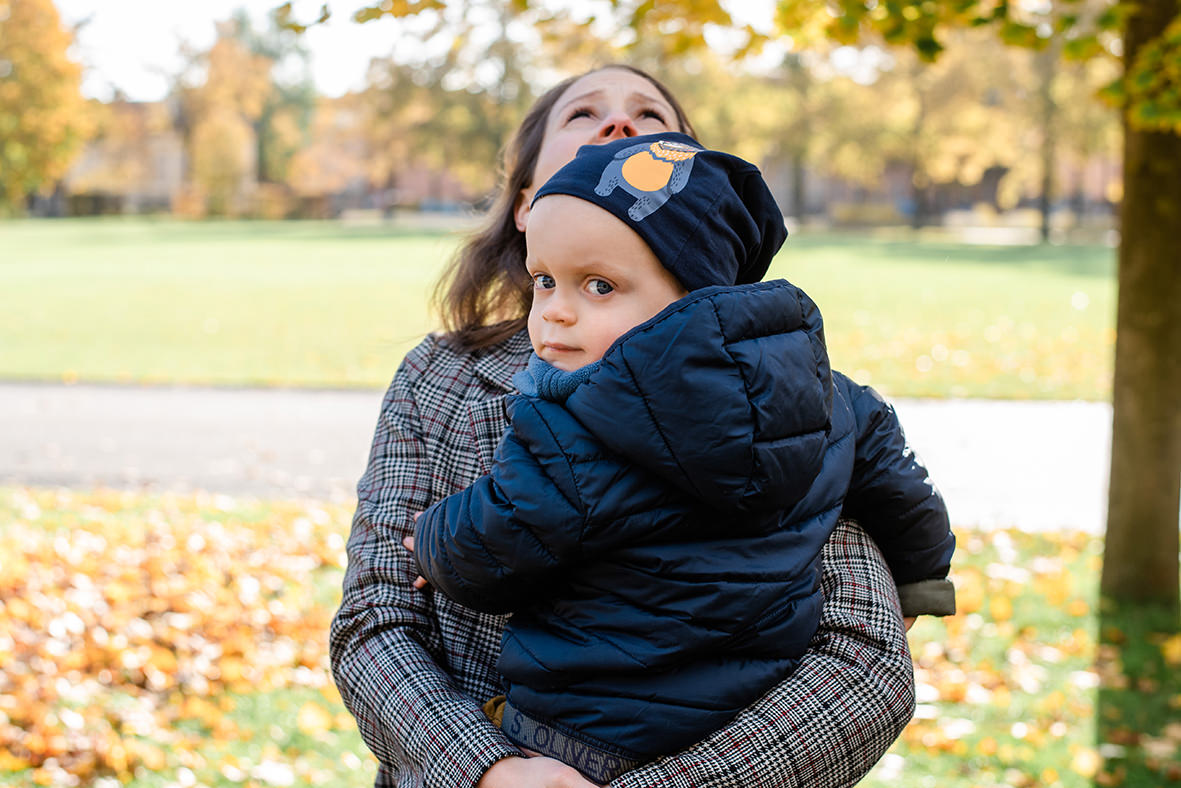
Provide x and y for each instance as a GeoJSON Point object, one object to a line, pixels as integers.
{"type": "Point", "coordinates": [1043, 200]}
{"type": "Point", "coordinates": [1046, 62]}
{"type": "Point", "coordinates": [798, 205]}
{"type": "Point", "coordinates": [799, 80]}
{"type": "Point", "coordinates": [920, 196]}
{"type": "Point", "coordinates": [1140, 564]}
{"type": "Point", "coordinates": [919, 182]}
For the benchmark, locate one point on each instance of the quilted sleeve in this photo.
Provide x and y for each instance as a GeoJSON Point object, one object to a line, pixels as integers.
{"type": "Point", "coordinates": [553, 499]}
{"type": "Point", "coordinates": [891, 494]}
{"type": "Point", "coordinates": [828, 723]}
{"type": "Point", "coordinates": [491, 545]}
{"type": "Point", "coordinates": [408, 709]}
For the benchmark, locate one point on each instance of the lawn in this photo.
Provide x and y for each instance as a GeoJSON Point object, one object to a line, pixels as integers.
{"type": "Point", "coordinates": [181, 640]}
{"type": "Point", "coordinates": [323, 304]}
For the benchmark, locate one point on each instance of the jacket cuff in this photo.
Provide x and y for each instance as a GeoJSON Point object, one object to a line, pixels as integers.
{"type": "Point", "coordinates": [927, 598]}
{"type": "Point", "coordinates": [456, 750]}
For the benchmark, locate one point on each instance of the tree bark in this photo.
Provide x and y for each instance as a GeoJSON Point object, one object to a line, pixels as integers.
{"type": "Point", "coordinates": [798, 196]}
{"type": "Point", "coordinates": [1045, 64]}
{"type": "Point", "coordinates": [919, 195]}
{"type": "Point", "coordinates": [800, 80]}
{"type": "Point", "coordinates": [920, 183]}
{"type": "Point", "coordinates": [1140, 564]}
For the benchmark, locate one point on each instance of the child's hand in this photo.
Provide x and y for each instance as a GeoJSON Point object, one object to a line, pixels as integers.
{"type": "Point", "coordinates": [420, 581]}
{"type": "Point", "coordinates": [514, 772]}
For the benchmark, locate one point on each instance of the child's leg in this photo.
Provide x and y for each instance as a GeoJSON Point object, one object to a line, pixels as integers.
{"type": "Point", "coordinates": [494, 709]}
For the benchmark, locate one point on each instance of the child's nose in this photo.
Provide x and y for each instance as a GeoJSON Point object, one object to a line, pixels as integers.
{"type": "Point", "coordinates": [557, 310]}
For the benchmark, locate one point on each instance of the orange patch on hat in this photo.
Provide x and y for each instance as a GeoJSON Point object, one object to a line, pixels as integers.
{"type": "Point", "coordinates": [645, 172]}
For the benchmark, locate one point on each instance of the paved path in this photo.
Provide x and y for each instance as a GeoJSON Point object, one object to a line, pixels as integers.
{"type": "Point", "coordinates": [264, 442]}
{"type": "Point", "coordinates": [1034, 465]}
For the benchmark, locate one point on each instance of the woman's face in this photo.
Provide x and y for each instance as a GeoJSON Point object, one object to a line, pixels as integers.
{"type": "Point", "coordinates": [600, 107]}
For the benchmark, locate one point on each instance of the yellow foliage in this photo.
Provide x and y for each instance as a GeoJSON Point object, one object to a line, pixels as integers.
{"type": "Point", "coordinates": [313, 719]}
{"type": "Point", "coordinates": [115, 611]}
{"type": "Point", "coordinates": [222, 158]}
{"type": "Point", "coordinates": [11, 763]}
{"type": "Point", "coordinates": [1171, 650]}
{"type": "Point", "coordinates": [1086, 762]}
{"type": "Point", "coordinates": [237, 81]}
{"type": "Point", "coordinates": [43, 117]}
{"type": "Point", "coordinates": [339, 151]}
{"type": "Point", "coordinates": [222, 110]}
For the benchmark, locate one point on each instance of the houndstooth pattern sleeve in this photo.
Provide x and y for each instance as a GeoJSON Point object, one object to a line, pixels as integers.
{"type": "Point", "coordinates": [413, 666]}
{"type": "Point", "coordinates": [837, 714]}
{"type": "Point", "coordinates": [388, 642]}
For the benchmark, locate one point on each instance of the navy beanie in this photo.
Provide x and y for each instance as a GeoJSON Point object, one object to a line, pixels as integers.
{"type": "Point", "coordinates": [707, 216]}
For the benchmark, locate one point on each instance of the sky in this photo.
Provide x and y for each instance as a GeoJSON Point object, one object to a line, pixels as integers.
{"type": "Point", "coordinates": [134, 45]}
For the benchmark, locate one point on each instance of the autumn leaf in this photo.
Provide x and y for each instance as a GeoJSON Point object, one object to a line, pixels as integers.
{"type": "Point", "coordinates": [314, 719]}
{"type": "Point", "coordinates": [1171, 650]}
{"type": "Point", "coordinates": [168, 606]}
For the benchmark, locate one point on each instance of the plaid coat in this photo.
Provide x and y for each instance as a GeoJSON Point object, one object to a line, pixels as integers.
{"type": "Point", "coordinates": [414, 667]}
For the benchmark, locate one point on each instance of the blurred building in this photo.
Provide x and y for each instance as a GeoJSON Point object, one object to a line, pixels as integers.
{"type": "Point", "coordinates": [1087, 197]}
{"type": "Point", "coordinates": [140, 163]}
{"type": "Point", "coordinates": [136, 165]}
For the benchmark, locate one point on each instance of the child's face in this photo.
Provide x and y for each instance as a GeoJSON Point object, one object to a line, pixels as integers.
{"type": "Point", "coordinates": [593, 280]}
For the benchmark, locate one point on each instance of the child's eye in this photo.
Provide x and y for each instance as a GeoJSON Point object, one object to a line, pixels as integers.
{"type": "Point", "coordinates": [543, 282]}
{"type": "Point", "coordinates": [600, 286]}
{"type": "Point", "coordinates": [578, 112]}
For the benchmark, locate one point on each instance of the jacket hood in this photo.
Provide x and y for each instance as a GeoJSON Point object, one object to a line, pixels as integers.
{"type": "Point", "coordinates": [726, 393]}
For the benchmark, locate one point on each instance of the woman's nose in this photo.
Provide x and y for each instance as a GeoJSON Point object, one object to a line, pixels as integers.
{"type": "Point", "coordinates": [616, 126]}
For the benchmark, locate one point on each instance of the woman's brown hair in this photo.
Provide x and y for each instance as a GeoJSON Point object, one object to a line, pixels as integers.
{"type": "Point", "coordinates": [484, 295]}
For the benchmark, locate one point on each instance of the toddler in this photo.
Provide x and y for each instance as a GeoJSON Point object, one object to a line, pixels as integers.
{"type": "Point", "coordinates": [678, 456]}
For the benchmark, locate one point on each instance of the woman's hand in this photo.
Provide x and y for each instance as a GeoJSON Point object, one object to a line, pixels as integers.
{"type": "Point", "coordinates": [420, 581]}
{"type": "Point", "coordinates": [516, 772]}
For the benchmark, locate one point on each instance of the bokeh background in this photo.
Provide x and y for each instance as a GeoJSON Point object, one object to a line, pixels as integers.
{"type": "Point", "coordinates": [220, 223]}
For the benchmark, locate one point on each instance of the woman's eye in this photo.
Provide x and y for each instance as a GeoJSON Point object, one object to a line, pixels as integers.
{"type": "Point", "coordinates": [542, 281]}
{"type": "Point", "coordinates": [654, 115]}
{"type": "Point", "coordinates": [600, 286]}
{"type": "Point", "coordinates": [580, 112]}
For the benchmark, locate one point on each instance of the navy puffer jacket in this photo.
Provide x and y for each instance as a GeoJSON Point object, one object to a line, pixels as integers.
{"type": "Point", "coordinates": [657, 536]}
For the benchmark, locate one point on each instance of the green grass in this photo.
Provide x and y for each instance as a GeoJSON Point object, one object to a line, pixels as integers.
{"type": "Point", "coordinates": [321, 304]}
{"type": "Point", "coordinates": [942, 319]}
{"type": "Point", "coordinates": [303, 304]}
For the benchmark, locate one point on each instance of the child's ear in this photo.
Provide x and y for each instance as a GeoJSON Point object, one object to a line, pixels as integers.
{"type": "Point", "coordinates": [521, 209]}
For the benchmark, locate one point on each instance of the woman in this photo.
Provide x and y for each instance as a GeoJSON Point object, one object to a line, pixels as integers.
{"type": "Point", "coordinates": [415, 667]}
